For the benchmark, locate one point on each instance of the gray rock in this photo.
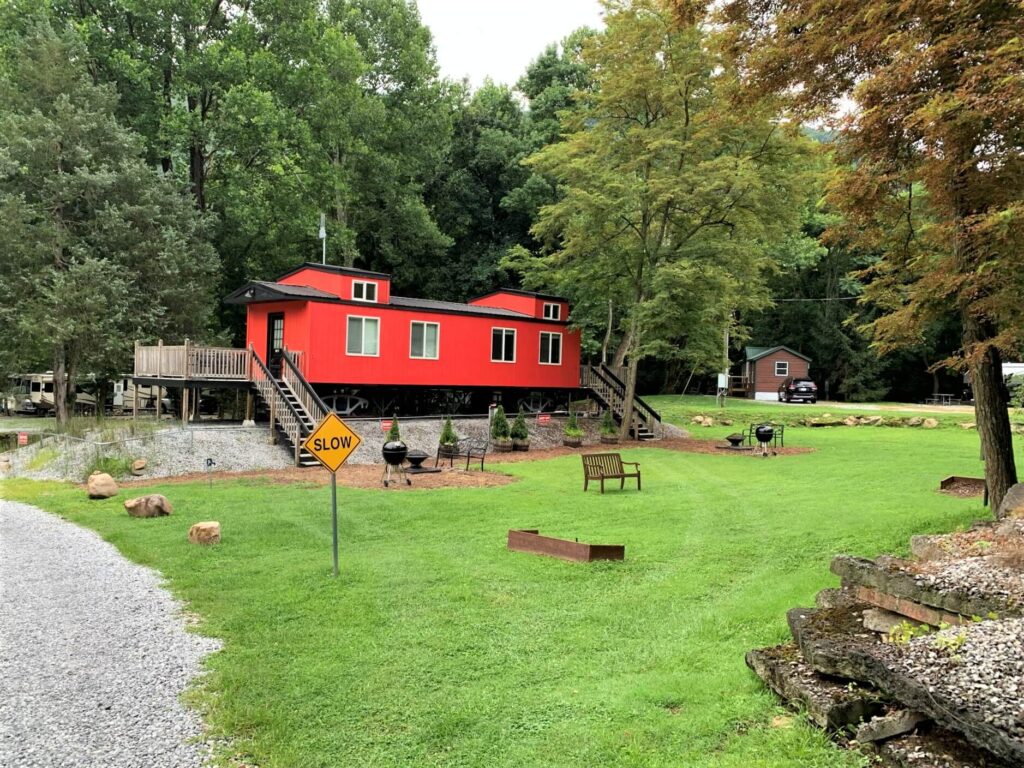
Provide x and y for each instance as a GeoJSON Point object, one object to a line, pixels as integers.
{"type": "Point", "coordinates": [829, 703]}
{"type": "Point", "coordinates": [1012, 504]}
{"type": "Point", "coordinates": [889, 725]}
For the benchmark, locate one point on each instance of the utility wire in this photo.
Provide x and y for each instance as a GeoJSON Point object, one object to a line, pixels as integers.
{"type": "Point", "coordinates": [836, 298]}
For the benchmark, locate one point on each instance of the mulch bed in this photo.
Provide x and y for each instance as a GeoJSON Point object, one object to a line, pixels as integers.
{"type": "Point", "coordinates": [965, 488]}
{"type": "Point", "coordinates": [369, 475]}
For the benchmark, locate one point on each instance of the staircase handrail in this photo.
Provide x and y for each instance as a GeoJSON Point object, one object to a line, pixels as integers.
{"type": "Point", "coordinates": [268, 377]}
{"type": "Point", "coordinates": [311, 401]}
{"type": "Point", "coordinates": [636, 398]}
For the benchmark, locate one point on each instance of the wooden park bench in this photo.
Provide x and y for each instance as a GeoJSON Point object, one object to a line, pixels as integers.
{"type": "Point", "coordinates": [608, 466]}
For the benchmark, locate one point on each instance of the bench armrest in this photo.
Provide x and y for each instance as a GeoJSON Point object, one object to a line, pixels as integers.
{"type": "Point", "coordinates": [632, 463]}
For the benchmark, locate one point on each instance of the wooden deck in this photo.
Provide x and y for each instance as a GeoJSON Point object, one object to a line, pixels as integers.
{"type": "Point", "coordinates": [192, 363]}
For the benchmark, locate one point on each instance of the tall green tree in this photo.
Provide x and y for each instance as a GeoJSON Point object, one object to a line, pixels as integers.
{"type": "Point", "coordinates": [100, 248]}
{"type": "Point", "coordinates": [672, 196]}
{"type": "Point", "coordinates": [484, 163]}
{"type": "Point", "coordinates": [931, 164]}
{"type": "Point", "coordinates": [279, 110]}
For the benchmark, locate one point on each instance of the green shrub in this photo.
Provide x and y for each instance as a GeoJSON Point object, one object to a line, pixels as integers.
{"type": "Point", "coordinates": [499, 424]}
{"type": "Point", "coordinates": [608, 425]}
{"type": "Point", "coordinates": [448, 436]}
{"type": "Point", "coordinates": [115, 466]}
{"type": "Point", "coordinates": [393, 432]}
{"type": "Point", "coordinates": [518, 430]}
{"type": "Point", "coordinates": [572, 426]}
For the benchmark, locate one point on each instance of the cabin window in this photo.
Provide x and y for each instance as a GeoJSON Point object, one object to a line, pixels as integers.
{"type": "Point", "coordinates": [363, 336]}
{"type": "Point", "coordinates": [550, 348]}
{"type": "Point", "coordinates": [552, 311]}
{"type": "Point", "coordinates": [363, 290]}
{"type": "Point", "coordinates": [423, 340]}
{"type": "Point", "coordinates": [503, 345]}
{"type": "Point", "coordinates": [781, 368]}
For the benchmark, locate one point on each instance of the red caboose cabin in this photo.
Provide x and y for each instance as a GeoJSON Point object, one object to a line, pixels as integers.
{"type": "Point", "coordinates": [352, 333]}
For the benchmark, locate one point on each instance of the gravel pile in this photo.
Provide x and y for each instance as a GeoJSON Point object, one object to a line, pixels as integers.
{"type": "Point", "coordinates": [977, 577]}
{"type": "Point", "coordinates": [93, 653]}
{"type": "Point", "coordinates": [979, 667]}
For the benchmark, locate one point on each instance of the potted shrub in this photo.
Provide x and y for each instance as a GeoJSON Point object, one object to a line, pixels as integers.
{"type": "Point", "coordinates": [520, 435]}
{"type": "Point", "coordinates": [501, 434]}
{"type": "Point", "coordinates": [573, 434]}
{"type": "Point", "coordinates": [609, 429]}
{"type": "Point", "coordinates": [448, 440]}
{"type": "Point", "coordinates": [394, 450]}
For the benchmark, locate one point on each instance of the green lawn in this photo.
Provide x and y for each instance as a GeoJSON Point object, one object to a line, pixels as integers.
{"type": "Point", "coordinates": [437, 647]}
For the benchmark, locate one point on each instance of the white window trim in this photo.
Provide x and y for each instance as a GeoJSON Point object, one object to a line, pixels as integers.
{"type": "Point", "coordinates": [425, 323]}
{"type": "Point", "coordinates": [556, 314]}
{"type": "Point", "coordinates": [515, 338]}
{"type": "Point", "coordinates": [550, 333]}
{"type": "Point", "coordinates": [361, 317]}
{"type": "Point", "coordinates": [365, 283]}
{"type": "Point", "coordinates": [782, 362]}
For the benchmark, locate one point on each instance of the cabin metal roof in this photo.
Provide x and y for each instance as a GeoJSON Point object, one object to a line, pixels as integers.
{"type": "Point", "coordinates": [452, 306]}
{"type": "Point", "coordinates": [261, 290]}
{"type": "Point", "coordinates": [353, 271]}
{"type": "Point", "coordinates": [756, 353]}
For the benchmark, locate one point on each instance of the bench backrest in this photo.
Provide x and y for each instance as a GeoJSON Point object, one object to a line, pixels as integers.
{"type": "Point", "coordinates": [595, 464]}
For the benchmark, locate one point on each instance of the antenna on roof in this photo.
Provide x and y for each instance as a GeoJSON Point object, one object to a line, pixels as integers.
{"type": "Point", "coordinates": [323, 235]}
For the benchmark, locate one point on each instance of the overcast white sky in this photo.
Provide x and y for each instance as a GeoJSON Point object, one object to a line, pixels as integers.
{"type": "Point", "coordinates": [499, 38]}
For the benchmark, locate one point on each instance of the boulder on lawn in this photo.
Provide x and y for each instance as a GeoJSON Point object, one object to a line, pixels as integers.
{"type": "Point", "coordinates": [915, 421]}
{"type": "Point", "coordinates": [138, 466]}
{"type": "Point", "coordinates": [205, 533]}
{"type": "Point", "coordinates": [851, 421]}
{"type": "Point", "coordinates": [1012, 504]}
{"type": "Point", "coordinates": [930, 423]}
{"type": "Point", "coordinates": [153, 505]}
{"type": "Point", "coordinates": [5, 465]}
{"type": "Point", "coordinates": [871, 421]}
{"type": "Point", "coordinates": [100, 485]}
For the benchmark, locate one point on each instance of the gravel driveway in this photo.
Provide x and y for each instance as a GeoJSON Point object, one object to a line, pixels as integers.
{"type": "Point", "coordinates": [93, 653]}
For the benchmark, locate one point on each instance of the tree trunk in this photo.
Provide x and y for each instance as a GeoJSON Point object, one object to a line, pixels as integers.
{"type": "Point", "coordinates": [60, 386]}
{"type": "Point", "coordinates": [630, 379]}
{"type": "Point", "coordinates": [608, 333]}
{"type": "Point", "coordinates": [623, 349]}
{"type": "Point", "coordinates": [992, 417]}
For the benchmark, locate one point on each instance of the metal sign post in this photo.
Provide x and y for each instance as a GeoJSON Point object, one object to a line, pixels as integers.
{"type": "Point", "coordinates": [334, 519]}
{"type": "Point", "coordinates": [331, 443]}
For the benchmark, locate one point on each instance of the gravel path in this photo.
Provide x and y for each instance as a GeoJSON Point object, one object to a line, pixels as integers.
{"type": "Point", "coordinates": [93, 653]}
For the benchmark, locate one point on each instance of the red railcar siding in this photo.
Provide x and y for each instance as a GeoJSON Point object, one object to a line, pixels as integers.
{"type": "Point", "coordinates": [338, 283]}
{"type": "Point", "coordinates": [318, 329]}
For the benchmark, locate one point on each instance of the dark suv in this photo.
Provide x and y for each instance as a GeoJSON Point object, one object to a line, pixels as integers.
{"type": "Point", "coordinates": [796, 388]}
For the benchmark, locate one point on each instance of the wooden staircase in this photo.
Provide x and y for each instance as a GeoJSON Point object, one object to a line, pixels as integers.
{"type": "Point", "coordinates": [610, 391]}
{"type": "Point", "coordinates": [295, 407]}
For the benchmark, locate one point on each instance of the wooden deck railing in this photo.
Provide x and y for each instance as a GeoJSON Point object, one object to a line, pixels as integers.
{"type": "Point", "coordinates": [190, 362]}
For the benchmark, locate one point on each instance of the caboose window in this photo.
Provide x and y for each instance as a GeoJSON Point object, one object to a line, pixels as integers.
{"type": "Point", "coordinates": [423, 340]}
{"type": "Point", "coordinates": [503, 345]}
{"type": "Point", "coordinates": [552, 311]}
{"type": "Point", "coordinates": [550, 348]}
{"type": "Point", "coordinates": [364, 291]}
{"type": "Point", "coordinates": [363, 336]}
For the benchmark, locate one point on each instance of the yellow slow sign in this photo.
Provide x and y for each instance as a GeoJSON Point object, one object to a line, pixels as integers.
{"type": "Point", "coordinates": [332, 442]}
